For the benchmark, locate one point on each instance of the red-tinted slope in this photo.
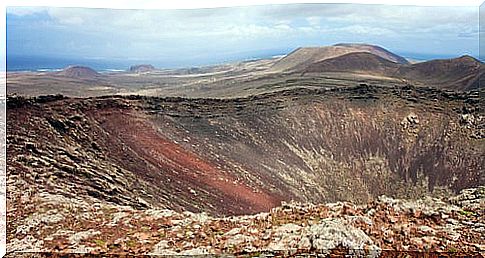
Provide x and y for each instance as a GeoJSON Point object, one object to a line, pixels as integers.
{"type": "Point", "coordinates": [138, 133]}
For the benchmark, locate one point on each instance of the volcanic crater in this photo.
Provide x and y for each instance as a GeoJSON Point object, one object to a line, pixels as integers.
{"type": "Point", "coordinates": [246, 155]}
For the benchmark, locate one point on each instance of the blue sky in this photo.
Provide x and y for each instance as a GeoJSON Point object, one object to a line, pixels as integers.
{"type": "Point", "coordinates": [204, 36]}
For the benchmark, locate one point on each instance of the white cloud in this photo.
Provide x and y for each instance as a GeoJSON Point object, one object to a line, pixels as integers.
{"type": "Point", "coordinates": [360, 30]}
{"type": "Point", "coordinates": [190, 4]}
{"type": "Point", "coordinates": [369, 31]}
{"type": "Point", "coordinates": [314, 21]}
{"type": "Point", "coordinates": [156, 31]}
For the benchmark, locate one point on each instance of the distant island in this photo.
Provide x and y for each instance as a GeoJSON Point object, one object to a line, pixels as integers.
{"type": "Point", "coordinates": [142, 68]}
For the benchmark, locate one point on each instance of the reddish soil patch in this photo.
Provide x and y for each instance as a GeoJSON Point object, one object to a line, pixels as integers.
{"type": "Point", "coordinates": [137, 132]}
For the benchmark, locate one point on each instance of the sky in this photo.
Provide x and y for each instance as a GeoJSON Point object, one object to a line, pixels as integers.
{"type": "Point", "coordinates": [190, 37]}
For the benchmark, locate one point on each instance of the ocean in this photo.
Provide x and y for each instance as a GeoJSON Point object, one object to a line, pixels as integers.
{"type": "Point", "coordinates": [46, 63]}
{"type": "Point", "coordinates": [41, 64]}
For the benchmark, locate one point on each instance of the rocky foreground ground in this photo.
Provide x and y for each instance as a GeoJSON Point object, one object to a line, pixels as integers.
{"type": "Point", "coordinates": [52, 223]}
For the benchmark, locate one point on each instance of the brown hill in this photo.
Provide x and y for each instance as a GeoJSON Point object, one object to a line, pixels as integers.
{"type": "Point", "coordinates": [303, 57]}
{"type": "Point", "coordinates": [358, 62]}
{"type": "Point", "coordinates": [377, 50]}
{"type": "Point", "coordinates": [461, 73]}
{"type": "Point", "coordinates": [81, 72]}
